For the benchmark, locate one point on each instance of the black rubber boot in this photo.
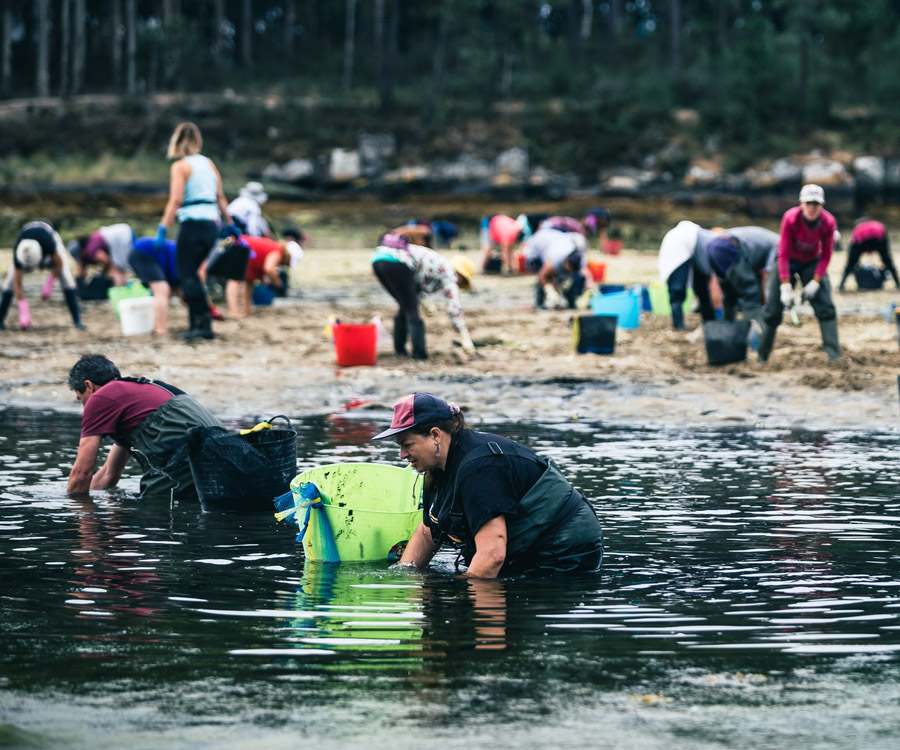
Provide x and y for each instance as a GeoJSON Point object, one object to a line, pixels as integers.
{"type": "Point", "coordinates": [401, 333]}
{"type": "Point", "coordinates": [72, 303]}
{"type": "Point", "coordinates": [678, 317]}
{"type": "Point", "coordinates": [201, 328]}
{"type": "Point", "coordinates": [417, 335]}
{"type": "Point", "coordinates": [540, 296]}
{"type": "Point", "coordinates": [5, 302]}
{"type": "Point", "coordinates": [766, 341]}
{"type": "Point", "coordinates": [830, 341]}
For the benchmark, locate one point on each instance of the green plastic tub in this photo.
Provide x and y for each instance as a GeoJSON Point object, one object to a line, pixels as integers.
{"type": "Point", "coordinates": [372, 510]}
{"type": "Point", "coordinates": [659, 299]}
{"type": "Point", "coordinates": [131, 290]}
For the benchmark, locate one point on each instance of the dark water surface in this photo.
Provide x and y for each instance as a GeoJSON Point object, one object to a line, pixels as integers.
{"type": "Point", "coordinates": [750, 596]}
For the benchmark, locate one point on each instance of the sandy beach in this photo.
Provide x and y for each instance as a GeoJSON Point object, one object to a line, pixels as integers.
{"type": "Point", "coordinates": [279, 361]}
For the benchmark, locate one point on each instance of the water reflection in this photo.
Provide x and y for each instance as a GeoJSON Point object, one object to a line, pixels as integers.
{"type": "Point", "coordinates": [735, 561]}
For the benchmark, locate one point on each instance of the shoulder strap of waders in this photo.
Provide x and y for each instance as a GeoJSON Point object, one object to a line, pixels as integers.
{"type": "Point", "coordinates": [489, 449]}
{"type": "Point", "coordinates": [159, 383]}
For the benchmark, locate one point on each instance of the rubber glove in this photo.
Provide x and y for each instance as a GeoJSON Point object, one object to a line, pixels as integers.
{"type": "Point", "coordinates": [584, 301]}
{"type": "Point", "coordinates": [233, 231]}
{"type": "Point", "coordinates": [551, 296]}
{"type": "Point", "coordinates": [787, 295]}
{"type": "Point", "coordinates": [467, 345]}
{"type": "Point", "coordinates": [811, 289]}
{"type": "Point", "coordinates": [24, 314]}
{"type": "Point", "coordinates": [48, 287]}
{"type": "Point", "coordinates": [160, 235]}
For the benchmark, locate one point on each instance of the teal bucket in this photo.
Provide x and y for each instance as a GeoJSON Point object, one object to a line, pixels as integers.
{"type": "Point", "coordinates": [626, 306]}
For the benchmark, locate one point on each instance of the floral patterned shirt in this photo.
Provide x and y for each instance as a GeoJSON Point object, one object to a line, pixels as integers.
{"type": "Point", "coordinates": [432, 273]}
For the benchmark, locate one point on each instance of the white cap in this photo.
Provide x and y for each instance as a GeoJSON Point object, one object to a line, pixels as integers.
{"type": "Point", "coordinates": [254, 190]}
{"type": "Point", "coordinates": [295, 251]}
{"type": "Point", "coordinates": [29, 253]}
{"type": "Point", "coordinates": [812, 194]}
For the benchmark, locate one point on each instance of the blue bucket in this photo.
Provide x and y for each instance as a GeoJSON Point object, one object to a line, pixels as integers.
{"type": "Point", "coordinates": [263, 295]}
{"type": "Point", "coordinates": [626, 306]}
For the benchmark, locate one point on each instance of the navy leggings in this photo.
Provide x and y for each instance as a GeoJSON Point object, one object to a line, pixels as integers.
{"type": "Point", "coordinates": [195, 240]}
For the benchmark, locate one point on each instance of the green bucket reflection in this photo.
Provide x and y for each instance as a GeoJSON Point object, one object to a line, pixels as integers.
{"type": "Point", "coordinates": [354, 611]}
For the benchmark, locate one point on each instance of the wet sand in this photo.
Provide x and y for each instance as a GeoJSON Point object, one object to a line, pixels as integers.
{"type": "Point", "coordinates": [279, 361]}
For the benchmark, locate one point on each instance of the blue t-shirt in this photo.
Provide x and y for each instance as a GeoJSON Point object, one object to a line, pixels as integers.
{"type": "Point", "coordinates": [163, 254]}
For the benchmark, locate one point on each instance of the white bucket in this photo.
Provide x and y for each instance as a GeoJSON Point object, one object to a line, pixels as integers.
{"type": "Point", "coordinates": [136, 316]}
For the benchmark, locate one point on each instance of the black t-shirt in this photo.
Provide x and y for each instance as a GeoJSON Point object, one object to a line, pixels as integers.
{"type": "Point", "coordinates": [40, 232]}
{"type": "Point", "coordinates": [488, 487]}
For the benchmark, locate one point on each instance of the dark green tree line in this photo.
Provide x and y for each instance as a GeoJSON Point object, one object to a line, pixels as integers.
{"type": "Point", "coordinates": [746, 65]}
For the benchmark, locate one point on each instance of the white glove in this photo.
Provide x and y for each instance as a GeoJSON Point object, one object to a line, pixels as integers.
{"type": "Point", "coordinates": [467, 345]}
{"type": "Point", "coordinates": [551, 296]}
{"type": "Point", "coordinates": [811, 289]}
{"type": "Point", "coordinates": [787, 295]}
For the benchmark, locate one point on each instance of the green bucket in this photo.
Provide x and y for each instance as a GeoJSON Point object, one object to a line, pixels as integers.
{"type": "Point", "coordinates": [131, 290]}
{"type": "Point", "coordinates": [659, 299]}
{"type": "Point", "coordinates": [372, 510]}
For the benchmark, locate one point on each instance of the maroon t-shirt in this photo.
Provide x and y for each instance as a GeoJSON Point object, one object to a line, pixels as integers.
{"type": "Point", "coordinates": [118, 407]}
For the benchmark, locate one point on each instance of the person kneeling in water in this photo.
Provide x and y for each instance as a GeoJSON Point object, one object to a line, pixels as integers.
{"type": "Point", "coordinates": [147, 418]}
{"type": "Point", "coordinates": [508, 510]}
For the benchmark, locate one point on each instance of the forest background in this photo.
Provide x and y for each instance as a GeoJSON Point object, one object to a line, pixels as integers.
{"type": "Point", "coordinates": [91, 88]}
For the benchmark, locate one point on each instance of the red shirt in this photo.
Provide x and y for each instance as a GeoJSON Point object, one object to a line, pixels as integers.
{"type": "Point", "coordinates": [262, 248]}
{"type": "Point", "coordinates": [803, 243]}
{"type": "Point", "coordinates": [867, 230]}
{"type": "Point", "coordinates": [120, 406]}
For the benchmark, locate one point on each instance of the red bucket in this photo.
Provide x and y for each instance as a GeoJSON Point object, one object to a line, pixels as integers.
{"type": "Point", "coordinates": [597, 269]}
{"type": "Point", "coordinates": [355, 344]}
{"type": "Point", "coordinates": [613, 247]}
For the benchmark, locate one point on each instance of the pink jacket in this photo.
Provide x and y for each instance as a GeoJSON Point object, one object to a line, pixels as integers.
{"type": "Point", "coordinates": [867, 230]}
{"type": "Point", "coordinates": [802, 243]}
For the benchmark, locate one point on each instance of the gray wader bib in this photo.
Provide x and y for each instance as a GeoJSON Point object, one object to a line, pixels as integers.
{"type": "Point", "coordinates": [160, 446]}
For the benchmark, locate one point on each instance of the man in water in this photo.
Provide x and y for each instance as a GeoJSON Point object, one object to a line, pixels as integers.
{"type": "Point", "coordinates": [146, 418]}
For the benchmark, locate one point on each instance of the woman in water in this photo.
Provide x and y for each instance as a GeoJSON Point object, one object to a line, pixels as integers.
{"type": "Point", "coordinates": [506, 509]}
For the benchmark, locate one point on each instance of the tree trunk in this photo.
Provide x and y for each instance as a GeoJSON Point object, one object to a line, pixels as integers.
{"type": "Point", "coordinates": [218, 25]}
{"type": "Point", "coordinates": [675, 37]}
{"type": "Point", "coordinates": [803, 79]}
{"type": "Point", "coordinates": [65, 32]}
{"type": "Point", "coordinates": [290, 21]}
{"type": "Point", "coordinates": [42, 68]}
{"type": "Point", "coordinates": [437, 68]}
{"type": "Point", "coordinates": [381, 58]}
{"type": "Point", "coordinates": [6, 52]}
{"type": "Point", "coordinates": [246, 33]}
{"type": "Point", "coordinates": [131, 47]}
{"type": "Point", "coordinates": [168, 46]}
{"type": "Point", "coordinates": [393, 29]}
{"type": "Point", "coordinates": [115, 14]}
{"type": "Point", "coordinates": [349, 43]}
{"type": "Point", "coordinates": [573, 29]}
{"type": "Point", "coordinates": [587, 20]}
{"type": "Point", "coordinates": [613, 29]}
{"type": "Point", "coordinates": [79, 49]}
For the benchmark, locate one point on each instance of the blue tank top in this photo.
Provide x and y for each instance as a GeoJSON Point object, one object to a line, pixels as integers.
{"type": "Point", "coordinates": [200, 190]}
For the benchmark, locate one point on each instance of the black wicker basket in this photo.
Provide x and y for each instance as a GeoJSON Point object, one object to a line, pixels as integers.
{"type": "Point", "coordinates": [236, 473]}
